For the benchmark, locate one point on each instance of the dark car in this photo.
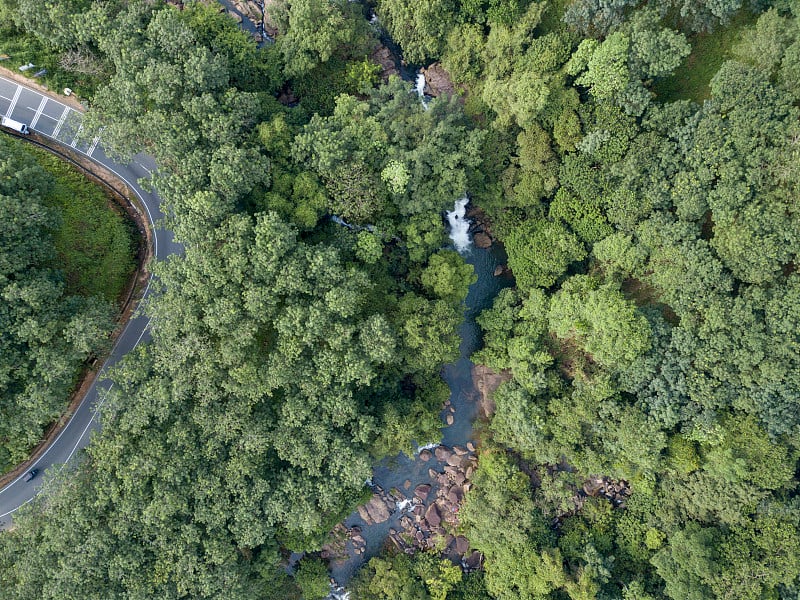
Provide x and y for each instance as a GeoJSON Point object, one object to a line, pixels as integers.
{"type": "Point", "coordinates": [31, 474]}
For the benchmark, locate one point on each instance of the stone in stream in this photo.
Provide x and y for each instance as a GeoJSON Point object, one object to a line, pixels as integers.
{"type": "Point", "coordinates": [454, 460]}
{"type": "Point", "coordinates": [442, 453]}
{"type": "Point", "coordinates": [432, 474]}
{"type": "Point", "coordinates": [425, 455]}
{"type": "Point", "coordinates": [432, 516]}
{"type": "Point", "coordinates": [470, 446]}
{"type": "Point", "coordinates": [449, 419]}
{"type": "Point", "coordinates": [460, 450]}
{"type": "Point", "coordinates": [406, 484]}
{"type": "Point", "coordinates": [374, 511]}
{"type": "Point", "coordinates": [482, 240]}
{"type": "Point", "coordinates": [422, 491]}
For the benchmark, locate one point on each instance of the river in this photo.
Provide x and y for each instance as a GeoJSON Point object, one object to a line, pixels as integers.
{"type": "Point", "coordinates": [464, 398]}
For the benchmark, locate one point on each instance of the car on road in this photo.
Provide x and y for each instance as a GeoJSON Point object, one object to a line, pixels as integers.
{"type": "Point", "coordinates": [15, 125]}
{"type": "Point", "coordinates": [31, 474]}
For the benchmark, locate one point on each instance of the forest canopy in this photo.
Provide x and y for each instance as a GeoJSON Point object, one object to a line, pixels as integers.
{"type": "Point", "coordinates": [644, 444]}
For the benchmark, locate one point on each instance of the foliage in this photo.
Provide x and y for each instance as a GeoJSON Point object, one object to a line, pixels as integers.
{"type": "Point", "coordinates": [51, 322]}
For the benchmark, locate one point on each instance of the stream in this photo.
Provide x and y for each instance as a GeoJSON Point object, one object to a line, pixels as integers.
{"type": "Point", "coordinates": [403, 473]}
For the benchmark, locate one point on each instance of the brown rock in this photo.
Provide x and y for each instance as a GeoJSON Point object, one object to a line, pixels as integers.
{"type": "Point", "coordinates": [432, 474]}
{"type": "Point", "coordinates": [460, 450]}
{"type": "Point", "coordinates": [486, 382]}
{"type": "Point", "coordinates": [449, 419]}
{"type": "Point", "coordinates": [406, 484]}
{"type": "Point", "coordinates": [470, 470]}
{"type": "Point", "coordinates": [470, 446]}
{"type": "Point", "coordinates": [461, 545]}
{"type": "Point", "coordinates": [425, 455]}
{"type": "Point", "coordinates": [422, 491]}
{"type": "Point", "coordinates": [374, 511]}
{"type": "Point", "coordinates": [432, 516]}
{"type": "Point", "coordinates": [592, 486]}
{"type": "Point", "coordinates": [442, 453]}
{"type": "Point", "coordinates": [481, 240]}
{"type": "Point", "coordinates": [419, 535]}
{"type": "Point", "coordinates": [451, 471]}
{"type": "Point", "coordinates": [454, 460]}
{"type": "Point", "coordinates": [383, 56]}
{"type": "Point", "coordinates": [437, 81]}
{"type": "Point", "coordinates": [460, 478]}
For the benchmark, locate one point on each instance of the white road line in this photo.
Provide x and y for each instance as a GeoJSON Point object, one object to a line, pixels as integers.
{"type": "Point", "coordinates": [77, 133]}
{"type": "Point", "coordinates": [38, 112]}
{"type": "Point", "coordinates": [61, 122]}
{"type": "Point", "coordinates": [14, 101]}
{"type": "Point", "coordinates": [95, 141]}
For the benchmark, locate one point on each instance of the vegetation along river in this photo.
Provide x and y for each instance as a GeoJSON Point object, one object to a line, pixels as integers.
{"type": "Point", "coordinates": [395, 481]}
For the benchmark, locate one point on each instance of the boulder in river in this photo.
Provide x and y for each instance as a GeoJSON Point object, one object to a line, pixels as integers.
{"type": "Point", "coordinates": [442, 453]}
{"type": "Point", "coordinates": [432, 516]}
{"type": "Point", "coordinates": [482, 240]}
{"type": "Point", "coordinates": [437, 81]}
{"type": "Point", "coordinates": [425, 455]}
{"type": "Point", "coordinates": [449, 419]}
{"type": "Point", "coordinates": [422, 491]}
{"type": "Point", "coordinates": [374, 511]}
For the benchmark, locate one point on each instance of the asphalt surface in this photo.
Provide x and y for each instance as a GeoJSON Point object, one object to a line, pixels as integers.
{"type": "Point", "coordinates": [62, 124]}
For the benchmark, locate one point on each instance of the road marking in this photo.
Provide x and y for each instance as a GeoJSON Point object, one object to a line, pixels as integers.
{"type": "Point", "coordinates": [61, 122]}
{"type": "Point", "coordinates": [38, 112]}
{"type": "Point", "coordinates": [77, 133]}
{"type": "Point", "coordinates": [14, 101]}
{"type": "Point", "coordinates": [95, 141]}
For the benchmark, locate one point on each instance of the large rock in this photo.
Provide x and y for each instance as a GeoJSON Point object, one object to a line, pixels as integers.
{"type": "Point", "coordinates": [461, 545]}
{"type": "Point", "coordinates": [374, 511]}
{"type": "Point", "coordinates": [437, 81]}
{"type": "Point", "coordinates": [486, 382]}
{"type": "Point", "coordinates": [422, 491]}
{"type": "Point", "coordinates": [482, 240]}
{"type": "Point", "coordinates": [432, 516]}
{"type": "Point", "coordinates": [425, 455]}
{"type": "Point", "coordinates": [442, 453]}
{"type": "Point", "coordinates": [383, 56]}
{"type": "Point", "coordinates": [454, 460]}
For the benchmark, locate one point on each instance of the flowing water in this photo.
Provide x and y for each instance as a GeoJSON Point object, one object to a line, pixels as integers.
{"type": "Point", "coordinates": [463, 396]}
{"type": "Point", "coordinates": [419, 87]}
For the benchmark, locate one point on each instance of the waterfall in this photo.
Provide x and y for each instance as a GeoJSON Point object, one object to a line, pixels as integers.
{"type": "Point", "coordinates": [459, 226]}
{"type": "Point", "coordinates": [420, 88]}
{"type": "Point", "coordinates": [338, 593]}
{"type": "Point", "coordinates": [430, 446]}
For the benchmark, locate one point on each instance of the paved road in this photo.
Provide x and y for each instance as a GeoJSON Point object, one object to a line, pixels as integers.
{"type": "Point", "coordinates": [62, 124]}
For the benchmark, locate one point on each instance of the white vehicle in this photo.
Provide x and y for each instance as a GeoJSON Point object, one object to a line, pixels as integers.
{"type": "Point", "coordinates": [15, 125]}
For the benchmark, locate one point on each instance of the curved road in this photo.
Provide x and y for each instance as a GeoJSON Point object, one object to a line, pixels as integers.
{"type": "Point", "coordinates": [61, 123]}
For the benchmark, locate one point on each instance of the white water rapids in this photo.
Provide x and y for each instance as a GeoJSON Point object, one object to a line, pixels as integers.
{"type": "Point", "coordinates": [459, 225]}
{"type": "Point", "coordinates": [420, 89]}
